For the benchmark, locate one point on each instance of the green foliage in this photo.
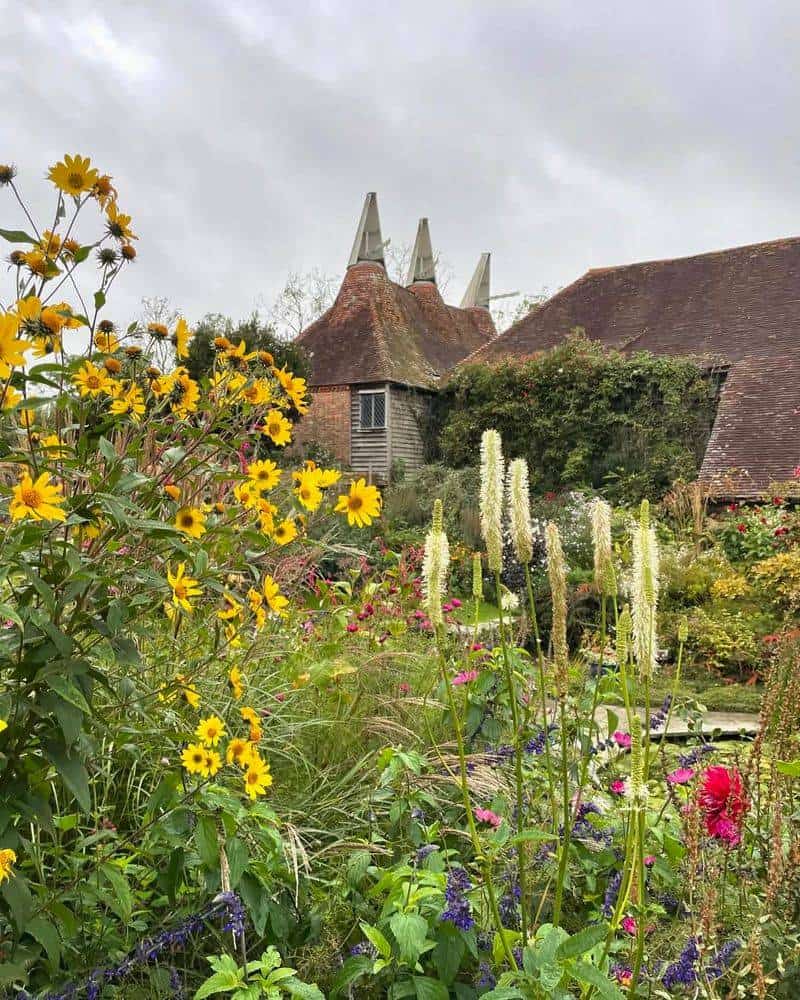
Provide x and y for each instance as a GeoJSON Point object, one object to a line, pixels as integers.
{"type": "Point", "coordinates": [257, 335]}
{"type": "Point", "coordinates": [586, 417]}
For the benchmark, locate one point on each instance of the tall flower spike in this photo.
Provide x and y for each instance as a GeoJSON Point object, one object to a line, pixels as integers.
{"type": "Point", "coordinates": [492, 498]}
{"type": "Point", "coordinates": [604, 576]}
{"type": "Point", "coordinates": [638, 787]}
{"type": "Point", "coordinates": [557, 574]}
{"type": "Point", "coordinates": [519, 505]}
{"type": "Point", "coordinates": [624, 626]}
{"type": "Point", "coordinates": [477, 576]}
{"type": "Point", "coordinates": [645, 593]}
{"type": "Point", "coordinates": [435, 566]}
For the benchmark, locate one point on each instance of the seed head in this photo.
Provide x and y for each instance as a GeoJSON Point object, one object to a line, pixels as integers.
{"type": "Point", "coordinates": [491, 499]}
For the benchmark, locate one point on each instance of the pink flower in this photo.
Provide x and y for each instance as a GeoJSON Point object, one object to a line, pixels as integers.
{"type": "Point", "coordinates": [681, 776]}
{"type": "Point", "coordinates": [476, 647]}
{"type": "Point", "coordinates": [465, 677]}
{"type": "Point", "coordinates": [280, 696]}
{"type": "Point", "coordinates": [404, 687]}
{"type": "Point", "coordinates": [629, 926]}
{"type": "Point", "coordinates": [447, 607]}
{"type": "Point", "coordinates": [796, 472]}
{"type": "Point", "coordinates": [649, 861]}
{"type": "Point", "coordinates": [622, 739]}
{"type": "Point", "coordinates": [455, 602]}
{"type": "Point", "coordinates": [487, 816]}
{"type": "Point", "coordinates": [352, 627]}
{"type": "Point", "coordinates": [617, 787]}
{"type": "Point", "coordinates": [723, 803]}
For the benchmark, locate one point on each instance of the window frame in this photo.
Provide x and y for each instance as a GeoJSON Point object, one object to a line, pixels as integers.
{"type": "Point", "coordinates": [372, 426]}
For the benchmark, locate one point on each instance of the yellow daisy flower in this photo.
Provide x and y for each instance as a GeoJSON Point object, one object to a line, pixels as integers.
{"type": "Point", "coordinates": [130, 401]}
{"type": "Point", "coordinates": [12, 348]}
{"type": "Point", "coordinates": [183, 587]}
{"type": "Point", "coordinates": [275, 599]}
{"type": "Point", "coordinates": [181, 338]}
{"type": "Point", "coordinates": [209, 731]}
{"type": "Point", "coordinates": [190, 693]}
{"type": "Point", "coordinates": [93, 381]}
{"type": "Point", "coordinates": [9, 397]}
{"type": "Point", "coordinates": [191, 521]}
{"type": "Point", "coordinates": [106, 343]}
{"type": "Point", "coordinates": [258, 393]}
{"type": "Point", "coordinates": [307, 490]}
{"type": "Point", "coordinates": [257, 779]}
{"type": "Point", "coordinates": [285, 532]}
{"type": "Point", "coordinates": [39, 500]}
{"type": "Point", "coordinates": [329, 477]}
{"type": "Point", "coordinates": [7, 860]}
{"type": "Point", "coordinates": [74, 175]}
{"type": "Point", "coordinates": [173, 491]}
{"type": "Point", "coordinates": [231, 610]}
{"type": "Point", "coordinates": [118, 224]}
{"type": "Point", "coordinates": [278, 428]}
{"type": "Point", "coordinates": [238, 752]}
{"type": "Point", "coordinates": [213, 763]}
{"type": "Point", "coordinates": [361, 504]}
{"type": "Point", "coordinates": [185, 393]}
{"type": "Point", "coordinates": [193, 758]}
{"type": "Point", "coordinates": [236, 682]}
{"type": "Point", "coordinates": [265, 474]}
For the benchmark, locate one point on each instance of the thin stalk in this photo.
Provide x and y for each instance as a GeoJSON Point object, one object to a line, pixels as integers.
{"type": "Point", "coordinates": [567, 820]}
{"type": "Point", "coordinates": [522, 851]}
{"type": "Point", "coordinates": [543, 695]}
{"type": "Point", "coordinates": [480, 858]}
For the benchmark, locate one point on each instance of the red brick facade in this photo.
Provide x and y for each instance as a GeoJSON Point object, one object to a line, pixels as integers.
{"type": "Point", "coordinates": [328, 421]}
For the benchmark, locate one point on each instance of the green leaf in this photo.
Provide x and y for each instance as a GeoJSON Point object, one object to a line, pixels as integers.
{"type": "Point", "coordinates": [581, 942]}
{"type": "Point", "coordinates": [72, 773]}
{"type": "Point", "coordinates": [174, 875]}
{"type": "Point", "coordinates": [205, 837]}
{"type": "Point", "coordinates": [790, 767]}
{"type": "Point", "coordinates": [107, 449]}
{"type": "Point", "coordinates": [99, 300]}
{"type": "Point", "coordinates": [503, 993]}
{"type": "Point", "coordinates": [46, 934]}
{"type": "Point", "coordinates": [354, 968]}
{"type": "Point", "coordinates": [306, 991]}
{"type": "Point", "coordinates": [238, 860]}
{"type": "Point", "coordinates": [430, 989]}
{"type": "Point", "coordinates": [122, 896]}
{"type": "Point", "coordinates": [256, 899]}
{"type": "Point", "coordinates": [220, 982]}
{"type": "Point", "coordinates": [65, 688]}
{"type": "Point", "coordinates": [17, 895]}
{"type": "Point", "coordinates": [590, 974]}
{"type": "Point", "coordinates": [380, 942]}
{"type": "Point", "coordinates": [17, 236]}
{"type": "Point", "coordinates": [447, 956]}
{"type": "Point", "coordinates": [411, 932]}
{"type": "Point", "coordinates": [82, 253]}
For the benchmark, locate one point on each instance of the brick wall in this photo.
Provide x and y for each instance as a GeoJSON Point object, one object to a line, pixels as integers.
{"type": "Point", "coordinates": [328, 421]}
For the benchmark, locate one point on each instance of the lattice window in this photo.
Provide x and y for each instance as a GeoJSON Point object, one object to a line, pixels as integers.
{"type": "Point", "coordinates": [373, 410]}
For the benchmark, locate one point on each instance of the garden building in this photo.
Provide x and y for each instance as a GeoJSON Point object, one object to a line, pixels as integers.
{"type": "Point", "coordinates": [378, 353]}
{"type": "Point", "coordinates": [737, 311]}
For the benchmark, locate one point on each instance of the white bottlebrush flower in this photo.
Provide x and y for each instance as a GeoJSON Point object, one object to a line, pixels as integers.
{"type": "Point", "coordinates": [557, 574]}
{"type": "Point", "coordinates": [644, 596]}
{"type": "Point", "coordinates": [519, 506]}
{"type": "Point", "coordinates": [509, 601]}
{"type": "Point", "coordinates": [604, 577]}
{"type": "Point", "coordinates": [435, 567]}
{"type": "Point", "coordinates": [492, 476]}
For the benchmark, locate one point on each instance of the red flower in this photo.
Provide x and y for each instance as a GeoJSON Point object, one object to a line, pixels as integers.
{"type": "Point", "coordinates": [741, 527]}
{"type": "Point", "coordinates": [723, 803]}
{"type": "Point", "coordinates": [777, 501]}
{"type": "Point", "coordinates": [733, 506]}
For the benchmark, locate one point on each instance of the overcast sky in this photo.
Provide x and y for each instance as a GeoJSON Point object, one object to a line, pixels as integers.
{"type": "Point", "coordinates": [243, 134]}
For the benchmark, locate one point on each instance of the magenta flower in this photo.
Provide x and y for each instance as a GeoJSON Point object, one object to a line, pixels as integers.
{"type": "Point", "coordinates": [649, 860]}
{"type": "Point", "coordinates": [352, 627]}
{"type": "Point", "coordinates": [465, 677]}
{"type": "Point", "coordinates": [487, 816]}
{"type": "Point", "coordinates": [622, 739]}
{"type": "Point", "coordinates": [681, 776]}
{"type": "Point", "coordinates": [629, 926]}
{"type": "Point", "coordinates": [617, 787]}
{"type": "Point", "coordinates": [455, 602]}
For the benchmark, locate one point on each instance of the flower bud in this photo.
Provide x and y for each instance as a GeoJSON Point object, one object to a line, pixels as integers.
{"type": "Point", "coordinates": [519, 506]}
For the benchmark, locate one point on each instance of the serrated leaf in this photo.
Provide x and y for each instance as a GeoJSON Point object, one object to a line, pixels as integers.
{"type": "Point", "coordinates": [46, 934]}
{"type": "Point", "coordinates": [220, 982]}
{"type": "Point", "coordinates": [377, 939]}
{"type": "Point", "coordinates": [430, 989]}
{"type": "Point", "coordinates": [590, 974]}
{"type": "Point", "coordinates": [410, 931]}
{"type": "Point", "coordinates": [306, 991]}
{"type": "Point", "coordinates": [238, 860]}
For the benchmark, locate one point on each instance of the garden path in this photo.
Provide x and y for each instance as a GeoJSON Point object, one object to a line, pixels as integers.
{"type": "Point", "coordinates": [726, 723]}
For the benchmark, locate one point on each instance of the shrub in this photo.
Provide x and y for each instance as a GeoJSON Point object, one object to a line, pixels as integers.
{"type": "Point", "coordinates": [585, 417]}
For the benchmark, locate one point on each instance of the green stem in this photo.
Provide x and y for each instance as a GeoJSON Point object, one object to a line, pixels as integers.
{"type": "Point", "coordinates": [562, 861]}
{"type": "Point", "coordinates": [480, 858]}
{"type": "Point", "coordinates": [522, 852]}
{"type": "Point", "coordinates": [543, 695]}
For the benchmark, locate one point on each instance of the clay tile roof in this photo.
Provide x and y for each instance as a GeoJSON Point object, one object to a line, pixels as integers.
{"type": "Point", "coordinates": [378, 331]}
{"type": "Point", "coordinates": [737, 308]}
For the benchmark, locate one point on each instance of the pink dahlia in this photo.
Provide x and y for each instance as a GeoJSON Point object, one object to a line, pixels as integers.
{"type": "Point", "coordinates": [465, 677]}
{"type": "Point", "coordinates": [622, 739]}
{"type": "Point", "coordinates": [629, 926]}
{"type": "Point", "coordinates": [487, 816]}
{"type": "Point", "coordinates": [617, 787]}
{"type": "Point", "coordinates": [723, 803]}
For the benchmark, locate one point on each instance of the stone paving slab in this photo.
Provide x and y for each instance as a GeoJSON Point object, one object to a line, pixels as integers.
{"type": "Point", "coordinates": [726, 723]}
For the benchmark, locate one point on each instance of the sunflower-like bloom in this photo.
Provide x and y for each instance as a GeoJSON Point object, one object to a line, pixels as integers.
{"type": "Point", "coordinates": [519, 505]}
{"type": "Point", "coordinates": [236, 682]}
{"type": "Point", "coordinates": [118, 224]}
{"type": "Point", "coordinates": [239, 752]}
{"type": "Point", "coordinates": [93, 381]}
{"type": "Point", "coordinates": [645, 592]}
{"type": "Point", "coordinates": [557, 575]}
{"type": "Point", "coordinates": [191, 522]}
{"type": "Point", "coordinates": [284, 532]}
{"type": "Point", "coordinates": [307, 490]}
{"type": "Point", "coordinates": [40, 500]}
{"type": "Point", "coordinates": [435, 566]}
{"type": "Point", "coordinates": [74, 175]}
{"type": "Point", "coordinates": [295, 388]}
{"type": "Point", "coordinates": [173, 491]}
{"type": "Point", "coordinates": [188, 692]}
{"type": "Point", "coordinates": [257, 778]}
{"type": "Point", "coordinates": [275, 599]}
{"type": "Point", "coordinates": [9, 397]}
{"type": "Point", "coordinates": [130, 401]}
{"type": "Point", "coordinates": [210, 731]}
{"type": "Point", "coordinates": [181, 338]}
{"type": "Point", "coordinates": [105, 342]}
{"type": "Point", "coordinates": [604, 576]}
{"type": "Point", "coordinates": [185, 393]}
{"type": "Point", "coordinates": [491, 498]}
{"type": "Point", "coordinates": [265, 475]}
{"type": "Point", "coordinates": [361, 504]}
{"type": "Point", "coordinates": [193, 759]}
{"type": "Point", "coordinates": [183, 587]}
{"type": "Point", "coordinates": [328, 477]}
{"type": "Point", "coordinates": [12, 347]}
{"type": "Point", "coordinates": [277, 428]}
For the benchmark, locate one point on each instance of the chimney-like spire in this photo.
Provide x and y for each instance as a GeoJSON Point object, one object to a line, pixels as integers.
{"type": "Point", "coordinates": [422, 266]}
{"type": "Point", "coordinates": [478, 290]}
{"type": "Point", "coordinates": [368, 243]}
